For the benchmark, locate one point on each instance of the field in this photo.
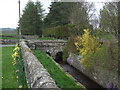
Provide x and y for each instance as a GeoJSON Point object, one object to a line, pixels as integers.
{"type": "Point", "coordinates": [13, 75]}
{"type": "Point", "coordinates": [8, 32]}
{"type": "Point", "coordinates": [8, 70]}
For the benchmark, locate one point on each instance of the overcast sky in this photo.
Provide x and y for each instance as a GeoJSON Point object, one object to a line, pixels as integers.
{"type": "Point", "coordinates": [9, 11]}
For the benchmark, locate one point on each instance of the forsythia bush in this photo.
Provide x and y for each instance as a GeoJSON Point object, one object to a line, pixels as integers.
{"type": "Point", "coordinates": [86, 45]}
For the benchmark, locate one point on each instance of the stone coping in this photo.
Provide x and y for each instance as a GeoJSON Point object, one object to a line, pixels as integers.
{"type": "Point", "coordinates": [36, 75]}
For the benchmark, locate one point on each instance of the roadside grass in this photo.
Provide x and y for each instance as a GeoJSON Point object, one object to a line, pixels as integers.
{"type": "Point", "coordinates": [8, 70]}
{"type": "Point", "coordinates": [61, 79]}
{"type": "Point", "coordinates": [46, 38]}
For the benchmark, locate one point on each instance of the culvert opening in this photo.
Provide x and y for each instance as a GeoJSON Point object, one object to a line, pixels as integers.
{"type": "Point", "coordinates": [58, 57]}
{"type": "Point", "coordinates": [48, 53]}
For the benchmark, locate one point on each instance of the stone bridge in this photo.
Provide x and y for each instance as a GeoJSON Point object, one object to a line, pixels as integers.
{"type": "Point", "coordinates": [52, 47]}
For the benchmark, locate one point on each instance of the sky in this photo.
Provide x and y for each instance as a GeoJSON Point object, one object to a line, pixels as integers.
{"type": "Point", "coordinates": [9, 11]}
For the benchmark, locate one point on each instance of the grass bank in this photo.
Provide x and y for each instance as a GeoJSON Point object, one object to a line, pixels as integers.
{"type": "Point", "coordinates": [61, 79]}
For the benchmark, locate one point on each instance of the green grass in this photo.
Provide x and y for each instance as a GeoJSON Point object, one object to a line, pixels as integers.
{"type": "Point", "coordinates": [21, 74]}
{"type": "Point", "coordinates": [8, 32]}
{"type": "Point", "coordinates": [9, 38]}
{"type": "Point", "coordinates": [46, 38]}
{"type": "Point", "coordinates": [0, 68]}
{"type": "Point", "coordinates": [61, 79]}
{"type": "Point", "coordinates": [9, 73]}
{"type": "Point", "coordinates": [8, 70]}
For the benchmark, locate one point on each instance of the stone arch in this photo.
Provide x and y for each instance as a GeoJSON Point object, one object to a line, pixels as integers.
{"type": "Point", "coordinates": [48, 53]}
{"type": "Point", "coordinates": [58, 56]}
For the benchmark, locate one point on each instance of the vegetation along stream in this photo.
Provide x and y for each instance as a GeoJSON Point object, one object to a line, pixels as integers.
{"type": "Point", "coordinates": [76, 74]}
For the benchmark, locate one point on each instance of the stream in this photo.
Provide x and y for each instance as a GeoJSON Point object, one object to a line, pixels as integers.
{"type": "Point", "coordinates": [79, 76]}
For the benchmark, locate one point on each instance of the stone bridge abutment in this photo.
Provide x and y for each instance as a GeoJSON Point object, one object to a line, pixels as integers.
{"type": "Point", "coordinates": [51, 47]}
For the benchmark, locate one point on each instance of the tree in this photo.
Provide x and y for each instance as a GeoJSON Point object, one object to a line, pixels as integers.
{"type": "Point", "coordinates": [40, 12]}
{"type": "Point", "coordinates": [58, 15]}
{"type": "Point", "coordinates": [75, 13]}
{"type": "Point", "coordinates": [31, 20]}
{"type": "Point", "coordinates": [109, 17]}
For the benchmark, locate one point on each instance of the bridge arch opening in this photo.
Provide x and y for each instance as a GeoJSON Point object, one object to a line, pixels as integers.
{"type": "Point", "coordinates": [48, 53]}
{"type": "Point", "coordinates": [59, 57]}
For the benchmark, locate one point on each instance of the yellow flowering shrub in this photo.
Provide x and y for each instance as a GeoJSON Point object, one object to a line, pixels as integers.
{"type": "Point", "coordinates": [86, 46]}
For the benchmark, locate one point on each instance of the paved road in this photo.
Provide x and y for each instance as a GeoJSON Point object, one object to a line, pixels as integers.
{"type": "Point", "coordinates": [6, 45]}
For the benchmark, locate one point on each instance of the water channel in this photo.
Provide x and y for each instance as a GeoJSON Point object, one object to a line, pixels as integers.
{"type": "Point", "coordinates": [78, 75]}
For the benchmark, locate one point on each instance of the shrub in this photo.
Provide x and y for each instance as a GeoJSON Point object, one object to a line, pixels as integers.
{"type": "Point", "coordinates": [94, 54]}
{"type": "Point", "coordinates": [69, 48]}
{"type": "Point", "coordinates": [63, 32]}
{"type": "Point", "coordinates": [86, 45]}
{"type": "Point", "coordinates": [65, 53]}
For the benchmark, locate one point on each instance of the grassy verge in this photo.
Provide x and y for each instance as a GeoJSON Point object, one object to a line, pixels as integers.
{"type": "Point", "coordinates": [8, 70]}
{"type": "Point", "coordinates": [46, 38]}
{"type": "Point", "coordinates": [0, 68]}
{"type": "Point", "coordinates": [13, 75]}
{"type": "Point", "coordinates": [61, 79]}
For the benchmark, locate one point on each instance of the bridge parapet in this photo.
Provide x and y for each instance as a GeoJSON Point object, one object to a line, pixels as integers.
{"type": "Point", "coordinates": [51, 46]}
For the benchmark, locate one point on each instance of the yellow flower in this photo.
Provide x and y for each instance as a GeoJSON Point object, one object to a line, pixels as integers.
{"type": "Point", "coordinates": [16, 49]}
{"type": "Point", "coordinates": [17, 77]}
{"type": "Point", "coordinates": [16, 45]}
{"type": "Point", "coordinates": [14, 64]}
{"type": "Point", "coordinates": [17, 70]}
{"type": "Point", "coordinates": [76, 44]}
{"type": "Point", "coordinates": [20, 86]}
{"type": "Point", "coordinates": [15, 55]}
{"type": "Point", "coordinates": [82, 61]}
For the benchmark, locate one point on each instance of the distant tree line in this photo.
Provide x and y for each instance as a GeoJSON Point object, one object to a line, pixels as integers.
{"type": "Point", "coordinates": [65, 15]}
{"type": "Point", "coordinates": [60, 16]}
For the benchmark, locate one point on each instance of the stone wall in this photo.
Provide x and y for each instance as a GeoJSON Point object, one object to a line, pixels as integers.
{"type": "Point", "coordinates": [29, 36]}
{"type": "Point", "coordinates": [99, 74]}
{"type": "Point", "coordinates": [51, 46]}
{"type": "Point", "coordinates": [36, 75]}
{"type": "Point", "coordinates": [22, 36]}
{"type": "Point", "coordinates": [8, 41]}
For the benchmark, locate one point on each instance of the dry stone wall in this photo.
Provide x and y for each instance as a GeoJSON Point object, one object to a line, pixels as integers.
{"type": "Point", "coordinates": [36, 75]}
{"type": "Point", "coordinates": [8, 41]}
